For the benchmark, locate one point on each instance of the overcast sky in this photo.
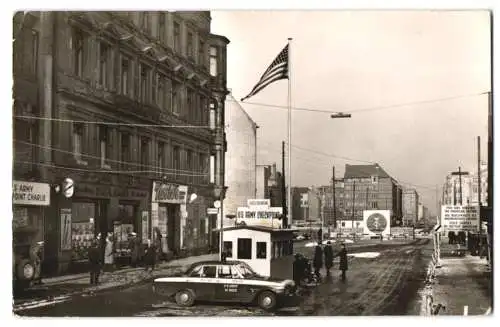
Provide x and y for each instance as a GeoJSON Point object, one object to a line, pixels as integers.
{"type": "Point", "coordinates": [350, 60]}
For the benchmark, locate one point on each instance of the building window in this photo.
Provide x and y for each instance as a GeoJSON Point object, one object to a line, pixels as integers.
{"type": "Point", "coordinates": [144, 153]}
{"type": "Point", "coordinates": [190, 45]}
{"type": "Point", "coordinates": [125, 150]}
{"type": "Point", "coordinates": [144, 83]}
{"type": "Point", "coordinates": [161, 27]}
{"type": "Point", "coordinates": [261, 250]}
{"type": "Point", "coordinates": [176, 97]}
{"type": "Point", "coordinates": [78, 141]}
{"type": "Point", "coordinates": [125, 76]}
{"type": "Point", "coordinates": [78, 52]}
{"type": "Point", "coordinates": [212, 115]}
{"type": "Point", "coordinates": [103, 63]}
{"type": "Point", "coordinates": [160, 94]}
{"type": "Point", "coordinates": [244, 248]}
{"type": "Point", "coordinates": [161, 156]}
{"type": "Point", "coordinates": [228, 249]}
{"type": "Point", "coordinates": [176, 158]}
{"type": "Point", "coordinates": [212, 169]}
{"type": "Point", "coordinates": [213, 61]}
{"type": "Point", "coordinates": [205, 168]}
{"type": "Point", "coordinates": [201, 53]}
{"type": "Point", "coordinates": [177, 37]}
{"type": "Point", "coordinates": [190, 104]}
{"type": "Point", "coordinates": [104, 146]}
{"type": "Point", "coordinates": [34, 51]}
{"type": "Point", "coordinates": [144, 22]}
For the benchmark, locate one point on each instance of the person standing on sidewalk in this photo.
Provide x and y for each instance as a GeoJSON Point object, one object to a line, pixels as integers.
{"type": "Point", "coordinates": [343, 261]}
{"type": "Point", "coordinates": [157, 243]}
{"type": "Point", "coordinates": [133, 246]}
{"type": "Point", "coordinates": [150, 256]}
{"type": "Point", "coordinates": [109, 258]}
{"type": "Point", "coordinates": [94, 262]}
{"type": "Point", "coordinates": [328, 257]}
{"type": "Point", "coordinates": [318, 260]}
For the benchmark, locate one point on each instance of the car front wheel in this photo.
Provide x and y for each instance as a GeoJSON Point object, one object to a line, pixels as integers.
{"type": "Point", "coordinates": [267, 300]}
{"type": "Point", "coordinates": [184, 298]}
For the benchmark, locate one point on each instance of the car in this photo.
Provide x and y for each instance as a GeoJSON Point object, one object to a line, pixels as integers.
{"type": "Point", "coordinates": [224, 281]}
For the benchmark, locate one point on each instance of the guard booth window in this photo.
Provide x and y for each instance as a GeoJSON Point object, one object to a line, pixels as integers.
{"type": "Point", "coordinates": [244, 248]}
{"type": "Point", "coordinates": [228, 248]}
{"type": "Point", "coordinates": [261, 250]}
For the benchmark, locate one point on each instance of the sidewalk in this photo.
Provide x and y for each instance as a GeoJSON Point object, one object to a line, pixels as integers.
{"type": "Point", "coordinates": [463, 284]}
{"type": "Point", "coordinates": [72, 285]}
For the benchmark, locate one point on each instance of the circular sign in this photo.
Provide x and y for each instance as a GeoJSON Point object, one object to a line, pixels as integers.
{"type": "Point", "coordinates": [376, 223]}
{"type": "Point", "coordinates": [217, 204]}
{"type": "Point", "coordinates": [68, 187]}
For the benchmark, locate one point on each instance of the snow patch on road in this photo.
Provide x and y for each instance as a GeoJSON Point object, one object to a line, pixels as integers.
{"type": "Point", "coordinates": [368, 255]}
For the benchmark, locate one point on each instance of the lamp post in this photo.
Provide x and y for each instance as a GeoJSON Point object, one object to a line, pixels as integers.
{"type": "Point", "coordinates": [219, 193]}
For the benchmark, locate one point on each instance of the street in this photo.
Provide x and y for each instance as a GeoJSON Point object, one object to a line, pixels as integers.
{"type": "Point", "coordinates": [383, 285]}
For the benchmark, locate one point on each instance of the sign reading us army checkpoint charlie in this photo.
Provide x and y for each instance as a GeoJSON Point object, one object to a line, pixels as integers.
{"type": "Point", "coordinates": [460, 218]}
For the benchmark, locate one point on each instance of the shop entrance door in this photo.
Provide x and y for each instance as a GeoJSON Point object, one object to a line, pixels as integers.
{"type": "Point", "coordinates": [173, 227]}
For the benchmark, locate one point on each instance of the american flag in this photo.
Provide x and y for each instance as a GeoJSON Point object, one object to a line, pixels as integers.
{"type": "Point", "coordinates": [276, 71]}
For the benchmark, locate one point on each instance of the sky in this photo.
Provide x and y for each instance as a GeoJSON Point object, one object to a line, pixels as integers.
{"type": "Point", "coordinates": [390, 65]}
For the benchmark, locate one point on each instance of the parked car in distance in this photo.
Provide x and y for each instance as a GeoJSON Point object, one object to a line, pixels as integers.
{"type": "Point", "coordinates": [229, 281]}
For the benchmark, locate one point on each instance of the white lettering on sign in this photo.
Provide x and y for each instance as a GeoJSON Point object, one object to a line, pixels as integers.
{"type": "Point", "coordinates": [460, 218]}
{"type": "Point", "coordinates": [30, 193]}
{"type": "Point", "coordinates": [259, 203]}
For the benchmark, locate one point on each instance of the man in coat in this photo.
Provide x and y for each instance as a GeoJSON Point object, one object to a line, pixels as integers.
{"type": "Point", "coordinates": [328, 257]}
{"type": "Point", "coordinates": [298, 269]}
{"type": "Point", "coordinates": [133, 246]}
{"type": "Point", "coordinates": [343, 261]}
{"type": "Point", "coordinates": [94, 262]}
{"type": "Point", "coordinates": [318, 260]}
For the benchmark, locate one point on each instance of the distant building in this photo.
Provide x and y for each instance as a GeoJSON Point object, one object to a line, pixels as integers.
{"type": "Point", "coordinates": [241, 158]}
{"type": "Point", "coordinates": [484, 186]}
{"type": "Point", "coordinates": [263, 173]}
{"type": "Point", "coordinates": [410, 207]}
{"type": "Point", "coordinates": [457, 189]}
{"type": "Point", "coordinates": [328, 212]}
{"type": "Point", "coordinates": [315, 197]}
{"type": "Point", "coordinates": [369, 187]}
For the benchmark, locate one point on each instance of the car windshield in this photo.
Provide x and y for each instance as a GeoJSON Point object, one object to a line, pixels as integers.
{"type": "Point", "coordinates": [246, 271]}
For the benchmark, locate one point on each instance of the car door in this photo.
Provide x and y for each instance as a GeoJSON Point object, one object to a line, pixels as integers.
{"type": "Point", "coordinates": [229, 283]}
{"type": "Point", "coordinates": [203, 280]}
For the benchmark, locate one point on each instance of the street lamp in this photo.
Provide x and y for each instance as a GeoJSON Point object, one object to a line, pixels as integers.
{"type": "Point", "coordinates": [340, 115]}
{"type": "Point", "coordinates": [219, 193]}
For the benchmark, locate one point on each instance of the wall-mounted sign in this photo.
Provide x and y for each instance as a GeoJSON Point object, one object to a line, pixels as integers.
{"type": "Point", "coordinates": [377, 222]}
{"type": "Point", "coordinates": [30, 193]}
{"type": "Point", "coordinates": [212, 211]}
{"type": "Point", "coordinates": [145, 226]}
{"type": "Point", "coordinates": [68, 187]}
{"type": "Point", "coordinates": [259, 203]}
{"type": "Point", "coordinates": [66, 229]}
{"type": "Point", "coordinates": [169, 193]}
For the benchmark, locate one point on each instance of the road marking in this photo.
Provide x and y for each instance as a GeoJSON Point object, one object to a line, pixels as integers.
{"type": "Point", "coordinates": [42, 303]}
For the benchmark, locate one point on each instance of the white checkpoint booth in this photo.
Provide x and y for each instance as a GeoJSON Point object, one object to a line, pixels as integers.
{"type": "Point", "coordinates": [269, 251]}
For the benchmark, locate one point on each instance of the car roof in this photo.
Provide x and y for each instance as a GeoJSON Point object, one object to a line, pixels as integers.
{"type": "Point", "coordinates": [216, 262]}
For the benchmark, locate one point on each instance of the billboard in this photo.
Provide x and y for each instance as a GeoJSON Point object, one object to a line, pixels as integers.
{"type": "Point", "coordinates": [460, 218]}
{"type": "Point", "coordinates": [377, 222]}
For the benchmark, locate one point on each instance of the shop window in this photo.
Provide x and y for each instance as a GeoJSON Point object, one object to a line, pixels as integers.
{"type": "Point", "coordinates": [261, 250]}
{"type": "Point", "coordinates": [82, 229]}
{"type": "Point", "coordinates": [228, 248]}
{"type": "Point", "coordinates": [244, 248]}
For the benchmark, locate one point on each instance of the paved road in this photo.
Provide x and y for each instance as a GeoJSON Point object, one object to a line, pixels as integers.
{"type": "Point", "coordinates": [384, 285]}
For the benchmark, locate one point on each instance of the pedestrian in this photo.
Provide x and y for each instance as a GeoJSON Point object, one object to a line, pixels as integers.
{"type": "Point", "coordinates": [94, 262]}
{"type": "Point", "coordinates": [158, 246]}
{"type": "Point", "coordinates": [318, 260]}
{"type": "Point", "coordinates": [343, 261]}
{"type": "Point", "coordinates": [298, 269]}
{"type": "Point", "coordinates": [36, 253]}
{"type": "Point", "coordinates": [328, 257]}
{"type": "Point", "coordinates": [133, 246]}
{"type": "Point", "coordinates": [109, 258]}
{"type": "Point", "coordinates": [150, 256]}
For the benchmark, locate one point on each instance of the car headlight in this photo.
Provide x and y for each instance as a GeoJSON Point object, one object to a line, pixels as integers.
{"type": "Point", "coordinates": [28, 271]}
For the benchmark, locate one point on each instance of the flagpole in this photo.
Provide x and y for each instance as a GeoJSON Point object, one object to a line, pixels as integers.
{"type": "Point", "coordinates": [289, 220]}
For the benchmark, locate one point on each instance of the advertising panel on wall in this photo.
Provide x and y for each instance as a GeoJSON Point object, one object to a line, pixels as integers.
{"type": "Point", "coordinates": [66, 226]}
{"type": "Point", "coordinates": [460, 218]}
{"type": "Point", "coordinates": [377, 222]}
{"type": "Point", "coordinates": [169, 193]}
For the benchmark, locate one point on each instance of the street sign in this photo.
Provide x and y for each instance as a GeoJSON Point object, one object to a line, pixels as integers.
{"type": "Point", "coordinates": [212, 211]}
